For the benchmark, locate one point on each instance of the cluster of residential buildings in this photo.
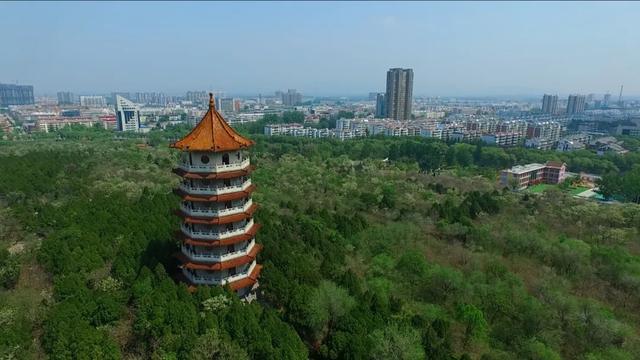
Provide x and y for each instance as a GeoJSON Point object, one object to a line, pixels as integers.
{"type": "Point", "coordinates": [344, 130]}
{"type": "Point", "coordinates": [396, 112]}
{"type": "Point", "coordinates": [578, 104]}
{"type": "Point", "coordinates": [539, 132]}
{"type": "Point", "coordinates": [121, 111]}
{"type": "Point", "coordinates": [97, 101]}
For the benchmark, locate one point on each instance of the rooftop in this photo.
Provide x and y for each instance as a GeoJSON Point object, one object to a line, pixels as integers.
{"type": "Point", "coordinates": [555, 164]}
{"type": "Point", "coordinates": [212, 133]}
{"type": "Point", "coordinates": [519, 169]}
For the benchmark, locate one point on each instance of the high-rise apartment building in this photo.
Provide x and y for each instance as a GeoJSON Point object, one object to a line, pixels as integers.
{"type": "Point", "coordinates": [545, 129]}
{"type": "Point", "coordinates": [150, 98]}
{"type": "Point", "coordinates": [226, 105]}
{"type": "Point", "coordinates": [291, 98]}
{"type": "Point", "coordinates": [197, 97]}
{"type": "Point", "coordinates": [399, 95]}
{"type": "Point", "coordinates": [93, 101]}
{"type": "Point", "coordinates": [127, 115]}
{"type": "Point", "coordinates": [381, 106]}
{"type": "Point", "coordinates": [66, 98]}
{"type": "Point", "coordinates": [549, 104]}
{"type": "Point", "coordinates": [575, 104]}
{"type": "Point", "coordinates": [504, 139]}
{"type": "Point", "coordinates": [16, 94]}
{"type": "Point", "coordinates": [606, 100]}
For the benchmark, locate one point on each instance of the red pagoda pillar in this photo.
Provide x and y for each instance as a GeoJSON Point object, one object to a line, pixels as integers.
{"type": "Point", "coordinates": [217, 233]}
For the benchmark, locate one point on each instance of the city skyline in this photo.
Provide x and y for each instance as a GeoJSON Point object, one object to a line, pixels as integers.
{"type": "Point", "coordinates": [458, 49]}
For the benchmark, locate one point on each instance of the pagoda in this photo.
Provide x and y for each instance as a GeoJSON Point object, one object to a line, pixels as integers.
{"type": "Point", "coordinates": [217, 233]}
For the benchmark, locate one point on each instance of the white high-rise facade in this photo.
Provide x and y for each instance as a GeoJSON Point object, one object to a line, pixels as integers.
{"type": "Point", "coordinates": [93, 101]}
{"type": "Point", "coordinates": [127, 115]}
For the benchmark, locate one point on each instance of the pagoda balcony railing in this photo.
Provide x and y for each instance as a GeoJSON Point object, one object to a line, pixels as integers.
{"type": "Point", "coordinates": [214, 167]}
{"type": "Point", "coordinates": [217, 212]}
{"type": "Point", "coordinates": [208, 257]}
{"type": "Point", "coordinates": [211, 190]}
{"type": "Point", "coordinates": [216, 235]}
{"type": "Point", "coordinates": [216, 279]}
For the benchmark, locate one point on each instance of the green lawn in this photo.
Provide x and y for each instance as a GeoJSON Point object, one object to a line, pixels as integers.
{"type": "Point", "coordinates": [577, 190]}
{"type": "Point", "coordinates": [539, 188]}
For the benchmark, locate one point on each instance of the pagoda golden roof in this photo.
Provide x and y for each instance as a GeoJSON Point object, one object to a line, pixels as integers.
{"type": "Point", "coordinates": [212, 133]}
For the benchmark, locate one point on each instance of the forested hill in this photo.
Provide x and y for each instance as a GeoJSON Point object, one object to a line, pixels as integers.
{"type": "Point", "coordinates": [373, 248]}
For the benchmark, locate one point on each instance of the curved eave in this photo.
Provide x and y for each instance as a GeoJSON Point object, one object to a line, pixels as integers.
{"type": "Point", "coordinates": [223, 265]}
{"type": "Point", "coordinates": [217, 198]}
{"type": "Point", "coordinates": [214, 176]}
{"type": "Point", "coordinates": [224, 242]}
{"type": "Point", "coordinates": [219, 220]}
{"type": "Point", "coordinates": [215, 148]}
{"type": "Point", "coordinates": [235, 285]}
{"type": "Point", "coordinates": [212, 133]}
{"type": "Point", "coordinates": [248, 281]}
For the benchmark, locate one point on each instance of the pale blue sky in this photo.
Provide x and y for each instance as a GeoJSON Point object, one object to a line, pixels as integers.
{"type": "Point", "coordinates": [461, 48]}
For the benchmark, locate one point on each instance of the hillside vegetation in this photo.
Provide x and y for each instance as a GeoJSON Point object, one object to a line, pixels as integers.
{"type": "Point", "coordinates": [373, 249]}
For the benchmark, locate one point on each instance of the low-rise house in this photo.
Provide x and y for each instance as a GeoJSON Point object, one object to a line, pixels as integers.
{"type": "Point", "coordinates": [608, 143]}
{"type": "Point", "coordinates": [522, 176]}
{"type": "Point", "coordinates": [573, 142]}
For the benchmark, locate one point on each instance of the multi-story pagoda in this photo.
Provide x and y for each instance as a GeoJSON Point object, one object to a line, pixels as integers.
{"type": "Point", "coordinates": [217, 234]}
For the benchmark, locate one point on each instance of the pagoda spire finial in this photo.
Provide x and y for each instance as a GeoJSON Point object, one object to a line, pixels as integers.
{"type": "Point", "coordinates": [212, 102]}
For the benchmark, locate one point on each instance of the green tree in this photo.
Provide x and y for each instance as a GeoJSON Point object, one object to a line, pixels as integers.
{"type": "Point", "coordinates": [327, 305]}
{"type": "Point", "coordinates": [211, 345]}
{"type": "Point", "coordinates": [342, 114]}
{"type": "Point", "coordinates": [9, 269]}
{"type": "Point", "coordinates": [292, 117]}
{"type": "Point", "coordinates": [395, 342]}
{"type": "Point", "coordinates": [473, 319]}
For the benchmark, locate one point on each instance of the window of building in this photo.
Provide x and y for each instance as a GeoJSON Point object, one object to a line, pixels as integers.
{"type": "Point", "coordinates": [204, 159]}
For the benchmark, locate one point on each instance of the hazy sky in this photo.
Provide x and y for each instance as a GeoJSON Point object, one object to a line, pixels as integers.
{"type": "Point", "coordinates": [322, 48]}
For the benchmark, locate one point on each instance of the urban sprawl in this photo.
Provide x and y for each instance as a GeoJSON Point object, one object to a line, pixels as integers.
{"type": "Point", "coordinates": [548, 122]}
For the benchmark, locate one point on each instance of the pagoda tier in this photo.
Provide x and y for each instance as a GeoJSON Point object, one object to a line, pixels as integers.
{"type": "Point", "coordinates": [246, 212]}
{"type": "Point", "coordinates": [248, 235]}
{"type": "Point", "coordinates": [217, 234]}
{"type": "Point", "coordinates": [199, 261]}
{"type": "Point", "coordinates": [187, 196]}
{"type": "Point", "coordinates": [224, 175]}
{"type": "Point", "coordinates": [248, 282]}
